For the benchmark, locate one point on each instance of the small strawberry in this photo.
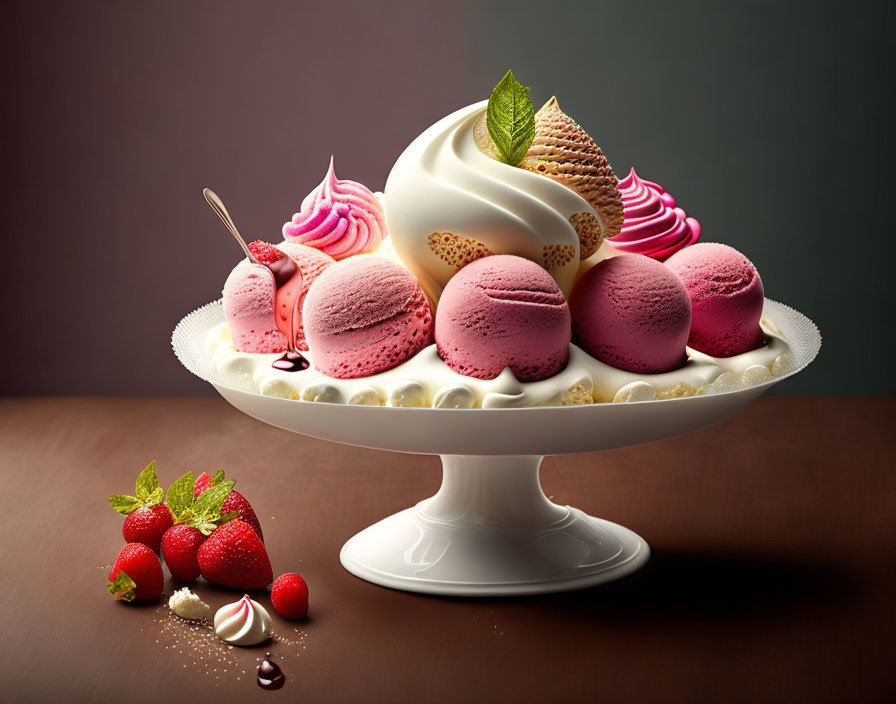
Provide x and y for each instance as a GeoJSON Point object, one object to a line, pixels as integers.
{"type": "Point", "coordinates": [234, 556]}
{"type": "Point", "coordinates": [136, 574]}
{"type": "Point", "coordinates": [147, 517]}
{"type": "Point", "coordinates": [194, 520]}
{"type": "Point", "coordinates": [180, 545]}
{"type": "Point", "coordinates": [289, 595]}
{"type": "Point", "coordinates": [235, 502]}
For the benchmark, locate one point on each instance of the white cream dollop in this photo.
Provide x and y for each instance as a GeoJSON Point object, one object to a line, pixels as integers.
{"type": "Point", "coordinates": [426, 381]}
{"type": "Point", "coordinates": [186, 604]}
{"type": "Point", "coordinates": [244, 622]}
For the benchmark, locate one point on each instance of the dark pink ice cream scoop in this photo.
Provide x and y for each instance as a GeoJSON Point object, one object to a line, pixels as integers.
{"type": "Point", "coordinates": [632, 313]}
{"type": "Point", "coordinates": [727, 297]}
{"type": "Point", "coordinates": [503, 311]}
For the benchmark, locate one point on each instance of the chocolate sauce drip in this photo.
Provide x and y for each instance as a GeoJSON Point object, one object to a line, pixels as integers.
{"type": "Point", "coordinates": [291, 362]}
{"type": "Point", "coordinates": [283, 270]}
{"type": "Point", "coordinates": [286, 271]}
{"type": "Point", "coordinates": [270, 676]}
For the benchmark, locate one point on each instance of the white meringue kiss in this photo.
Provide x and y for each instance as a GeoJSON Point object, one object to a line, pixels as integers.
{"type": "Point", "coordinates": [244, 622]}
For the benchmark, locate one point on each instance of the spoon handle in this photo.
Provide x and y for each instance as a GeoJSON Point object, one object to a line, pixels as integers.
{"type": "Point", "coordinates": [220, 209]}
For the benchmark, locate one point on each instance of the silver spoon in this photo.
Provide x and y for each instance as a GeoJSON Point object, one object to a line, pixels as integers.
{"type": "Point", "coordinates": [218, 206]}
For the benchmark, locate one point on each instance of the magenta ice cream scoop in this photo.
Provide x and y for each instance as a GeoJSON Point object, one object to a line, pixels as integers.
{"type": "Point", "coordinates": [503, 311]}
{"type": "Point", "coordinates": [364, 315]}
{"type": "Point", "coordinates": [632, 313]}
{"type": "Point", "coordinates": [727, 298]}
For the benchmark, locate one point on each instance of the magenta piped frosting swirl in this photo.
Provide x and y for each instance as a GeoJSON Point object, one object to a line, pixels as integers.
{"type": "Point", "coordinates": [340, 218]}
{"type": "Point", "coordinates": [653, 225]}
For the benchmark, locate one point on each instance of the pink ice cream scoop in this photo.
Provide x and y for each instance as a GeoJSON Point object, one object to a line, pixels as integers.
{"type": "Point", "coordinates": [340, 218]}
{"type": "Point", "coordinates": [632, 313]}
{"type": "Point", "coordinates": [727, 297]}
{"type": "Point", "coordinates": [249, 309]}
{"type": "Point", "coordinates": [311, 263]}
{"type": "Point", "coordinates": [653, 225]}
{"type": "Point", "coordinates": [365, 315]}
{"type": "Point", "coordinates": [260, 299]}
{"type": "Point", "coordinates": [503, 311]}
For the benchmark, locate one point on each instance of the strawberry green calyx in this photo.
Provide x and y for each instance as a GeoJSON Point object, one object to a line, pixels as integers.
{"type": "Point", "coordinates": [122, 587]}
{"type": "Point", "coordinates": [180, 496]}
{"type": "Point", "coordinates": [202, 512]}
{"type": "Point", "coordinates": [147, 492]}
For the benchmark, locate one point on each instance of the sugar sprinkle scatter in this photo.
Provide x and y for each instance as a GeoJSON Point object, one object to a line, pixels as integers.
{"type": "Point", "coordinates": [197, 646]}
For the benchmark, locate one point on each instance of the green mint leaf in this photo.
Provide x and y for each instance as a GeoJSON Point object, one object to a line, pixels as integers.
{"type": "Point", "coordinates": [124, 504]}
{"type": "Point", "coordinates": [208, 503]}
{"type": "Point", "coordinates": [180, 496]}
{"type": "Point", "coordinates": [218, 478]}
{"type": "Point", "coordinates": [510, 119]}
{"type": "Point", "coordinates": [147, 483]}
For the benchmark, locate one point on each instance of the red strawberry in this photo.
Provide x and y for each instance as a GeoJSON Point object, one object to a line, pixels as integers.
{"type": "Point", "coordinates": [180, 546]}
{"type": "Point", "coordinates": [146, 525]}
{"type": "Point", "coordinates": [289, 595]}
{"type": "Point", "coordinates": [147, 517]}
{"type": "Point", "coordinates": [265, 253]}
{"type": "Point", "coordinates": [136, 574]}
{"type": "Point", "coordinates": [234, 502]}
{"type": "Point", "coordinates": [234, 556]}
{"type": "Point", "coordinates": [195, 517]}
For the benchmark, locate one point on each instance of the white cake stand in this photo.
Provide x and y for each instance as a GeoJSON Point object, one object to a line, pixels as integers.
{"type": "Point", "coordinates": [490, 530]}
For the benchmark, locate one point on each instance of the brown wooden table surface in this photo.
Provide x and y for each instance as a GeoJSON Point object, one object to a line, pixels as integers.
{"type": "Point", "coordinates": [772, 576]}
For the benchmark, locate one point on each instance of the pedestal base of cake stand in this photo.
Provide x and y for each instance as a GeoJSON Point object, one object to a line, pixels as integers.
{"type": "Point", "coordinates": [491, 531]}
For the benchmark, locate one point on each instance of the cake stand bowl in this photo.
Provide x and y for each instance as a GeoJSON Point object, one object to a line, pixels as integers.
{"type": "Point", "coordinates": [490, 530]}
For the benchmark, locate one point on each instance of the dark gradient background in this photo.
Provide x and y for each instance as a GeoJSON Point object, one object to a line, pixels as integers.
{"type": "Point", "coordinates": [765, 120]}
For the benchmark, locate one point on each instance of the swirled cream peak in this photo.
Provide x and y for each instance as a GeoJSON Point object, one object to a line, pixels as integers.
{"type": "Point", "coordinates": [653, 224]}
{"type": "Point", "coordinates": [244, 622]}
{"type": "Point", "coordinates": [448, 203]}
{"type": "Point", "coordinates": [340, 218]}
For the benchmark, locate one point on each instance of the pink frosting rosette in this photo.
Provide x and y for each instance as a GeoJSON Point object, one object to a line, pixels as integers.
{"type": "Point", "coordinates": [653, 225]}
{"type": "Point", "coordinates": [340, 218]}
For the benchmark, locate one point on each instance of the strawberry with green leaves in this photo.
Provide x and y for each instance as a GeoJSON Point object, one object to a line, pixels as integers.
{"type": "Point", "coordinates": [194, 519]}
{"type": "Point", "coordinates": [147, 516]}
{"type": "Point", "coordinates": [235, 502]}
{"type": "Point", "coordinates": [234, 556]}
{"type": "Point", "coordinates": [136, 574]}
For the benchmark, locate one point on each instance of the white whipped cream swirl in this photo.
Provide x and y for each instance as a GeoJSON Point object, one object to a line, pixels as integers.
{"type": "Point", "coordinates": [442, 182]}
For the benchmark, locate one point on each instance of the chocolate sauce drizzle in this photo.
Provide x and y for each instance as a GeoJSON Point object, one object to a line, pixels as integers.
{"type": "Point", "coordinates": [291, 362]}
{"type": "Point", "coordinates": [284, 271]}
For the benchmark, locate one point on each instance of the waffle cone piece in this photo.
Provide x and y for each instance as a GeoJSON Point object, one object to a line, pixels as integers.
{"type": "Point", "coordinates": [564, 152]}
{"type": "Point", "coordinates": [456, 251]}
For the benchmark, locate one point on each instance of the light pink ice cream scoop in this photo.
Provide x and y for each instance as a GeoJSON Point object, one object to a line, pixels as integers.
{"type": "Point", "coordinates": [632, 313]}
{"type": "Point", "coordinates": [249, 309]}
{"type": "Point", "coordinates": [727, 297]}
{"type": "Point", "coordinates": [503, 311]}
{"type": "Point", "coordinates": [364, 315]}
{"type": "Point", "coordinates": [258, 305]}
